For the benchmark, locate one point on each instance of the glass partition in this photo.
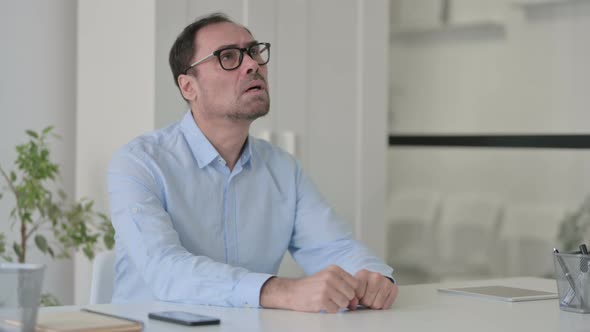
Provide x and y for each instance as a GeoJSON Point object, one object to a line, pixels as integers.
{"type": "Point", "coordinates": [489, 136]}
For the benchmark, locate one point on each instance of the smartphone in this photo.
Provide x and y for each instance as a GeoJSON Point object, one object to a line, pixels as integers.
{"type": "Point", "coordinates": [184, 318]}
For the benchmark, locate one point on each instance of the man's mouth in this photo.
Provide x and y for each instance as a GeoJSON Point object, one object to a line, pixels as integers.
{"type": "Point", "coordinates": [255, 86]}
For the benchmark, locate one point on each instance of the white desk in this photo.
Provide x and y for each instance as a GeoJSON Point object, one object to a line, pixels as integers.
{"type": "Point", "coordinates": [418, 308]}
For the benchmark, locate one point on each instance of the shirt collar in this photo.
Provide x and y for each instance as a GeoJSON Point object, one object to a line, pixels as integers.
{"type": "Point", "coordinates": [246, 153]}
{"type": "Point", "coordinates": [203, 151]}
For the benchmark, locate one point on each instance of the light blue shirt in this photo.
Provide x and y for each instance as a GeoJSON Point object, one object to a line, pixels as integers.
{"type": "Point", "coordinates": [190, 230]}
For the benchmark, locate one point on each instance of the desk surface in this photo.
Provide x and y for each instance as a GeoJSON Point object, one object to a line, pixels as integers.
{"type": "Point", "coordinates": [418, 308]}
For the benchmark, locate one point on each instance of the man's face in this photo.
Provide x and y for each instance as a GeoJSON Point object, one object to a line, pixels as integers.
{"type": "Point", "coordinates": [223, 93]}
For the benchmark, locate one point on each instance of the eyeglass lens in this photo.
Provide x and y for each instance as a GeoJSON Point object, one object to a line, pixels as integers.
{"type": "Point", "coordinates": [231, 58]}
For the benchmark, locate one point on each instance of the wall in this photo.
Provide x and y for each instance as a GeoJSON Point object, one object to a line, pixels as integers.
{"type": "Point", "coordinates": [115, 95]}
{"type": "Point", "coordinates": [37, 89]}
{"type": "Point", "coordinates": [171, 18]}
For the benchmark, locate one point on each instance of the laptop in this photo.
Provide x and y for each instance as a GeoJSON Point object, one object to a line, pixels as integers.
{"type": "Point", "coordinates": [502, 293]}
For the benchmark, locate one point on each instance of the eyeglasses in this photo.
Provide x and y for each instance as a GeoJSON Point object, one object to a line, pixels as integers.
{"type": "Point", "coordinates": [231, 58]}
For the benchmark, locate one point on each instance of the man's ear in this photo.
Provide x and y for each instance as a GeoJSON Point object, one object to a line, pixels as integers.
{"type": "Point", "coordinates": [187, 85]}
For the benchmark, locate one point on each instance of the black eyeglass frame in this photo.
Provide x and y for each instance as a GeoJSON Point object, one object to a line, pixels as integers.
{"type": "Point", "coordinates": [242, 50]}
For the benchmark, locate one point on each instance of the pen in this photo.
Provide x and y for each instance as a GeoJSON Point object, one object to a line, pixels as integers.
{"type": "Point", "coordinates": [572, 291]}
{"type": "Point", "coordinates": [584, 260]}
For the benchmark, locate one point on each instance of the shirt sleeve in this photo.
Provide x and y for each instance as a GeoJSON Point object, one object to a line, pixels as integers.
{"type": "Point", "coordinates": [146, 233]}
{"type": "Point", "coordinates": [321, 238]}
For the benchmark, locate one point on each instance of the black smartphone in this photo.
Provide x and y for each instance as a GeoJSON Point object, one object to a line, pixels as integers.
{"type": "Point", "coordinates": [183, 318]}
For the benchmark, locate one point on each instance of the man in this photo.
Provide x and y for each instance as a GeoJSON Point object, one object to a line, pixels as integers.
{"type": "Point", "coordinates": [204, 213]}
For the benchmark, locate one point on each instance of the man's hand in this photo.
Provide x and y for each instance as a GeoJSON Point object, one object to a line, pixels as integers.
{"type": "Point", "coordinates": [328, 290]}
{"type": "Point", "coordinates": [374, 290]}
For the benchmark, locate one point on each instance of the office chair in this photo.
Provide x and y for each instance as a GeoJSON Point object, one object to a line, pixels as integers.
{"type": "Point", "coordinates": [528, 235]}
{"type": "Point", "coordinates": [411, 219]}
{"type": "Point", "coordinates": [468, 230]}
{"type": "Point", "coordinates": [103, 278]}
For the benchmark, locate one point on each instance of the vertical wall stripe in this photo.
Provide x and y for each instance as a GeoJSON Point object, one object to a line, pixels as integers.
{"type": "Point", "coordinates": [245, 12]}
{"type": "Point", "coordinates": [187, 17]}
{"type": "Point", "coordinates": [358, 174]}
{"type": "Point", "coordinates": [275, 72]}
{"type": "Point", "coordinates": [308, 76]}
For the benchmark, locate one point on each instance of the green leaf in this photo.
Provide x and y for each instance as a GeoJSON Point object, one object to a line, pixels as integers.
{"type": "Point", "coordinates": [2, 244]}
{"type": "Point", "coordinates": [12, 176]}
{"type": "Point", "coordinates": [47, 130]}
{"type": "Point", "coordinates": [109, 241]}
{"type": "Point", "coordinates": [27, 217]}
{"type": "Point", "coordinates": [32, 133]}
{"type": "Point", "coordinates": [50, 251]}
{"type": "Point", "coordinates": [65, 255]}
{"type": "Point", "coordinates": [88, 252]}
{"type": "Point", "coordinates": [41, 243]}
{"type": "Point", "coordinates": [16, 249]}
{"type": "Point", "coordinates": [7, 258]}
{"type": "Point", "coordinates": [49, 300]}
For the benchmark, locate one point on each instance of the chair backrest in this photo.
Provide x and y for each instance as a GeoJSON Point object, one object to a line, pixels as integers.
{"type": "Point", "coordinates": [411, 219]}
{"type": "Point", "coordinates": [528, 234]}
{"type": "Point", "coordinates": [468, 225]}
{"type": "Point", "coordinates": [103, 278]}
{"type": "Point", "coordinates": [411, 215]}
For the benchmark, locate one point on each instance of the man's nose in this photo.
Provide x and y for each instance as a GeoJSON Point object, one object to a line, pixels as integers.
{"type": "Point", "coordinates": [250, 65]}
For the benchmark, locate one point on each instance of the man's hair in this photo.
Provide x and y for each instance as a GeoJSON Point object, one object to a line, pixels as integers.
{"type": "Point", "coordinates": [184, 47]}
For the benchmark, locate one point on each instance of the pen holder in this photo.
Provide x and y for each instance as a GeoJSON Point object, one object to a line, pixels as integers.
{"type": "Point", "coordinates": [572, 273]}
{"type": "Point", "coordinates": [20, 290]}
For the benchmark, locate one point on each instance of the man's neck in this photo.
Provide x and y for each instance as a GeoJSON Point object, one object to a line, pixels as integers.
{"type": "Point", "coordinates": [227, 136]}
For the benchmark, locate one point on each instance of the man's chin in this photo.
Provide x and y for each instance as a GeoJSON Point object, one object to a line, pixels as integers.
{"type": "Point", "coordinates": [254, 116]}
{"type": "Point", "coordinates": [249, 115]}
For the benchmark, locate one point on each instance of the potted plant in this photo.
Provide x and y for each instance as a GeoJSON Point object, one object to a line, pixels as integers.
{"type": "Point", "coordinates": [575, 227]}
{"type": "Point", "coordinates": [40, 210]}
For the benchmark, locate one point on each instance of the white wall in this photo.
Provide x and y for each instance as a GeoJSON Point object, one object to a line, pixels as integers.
{"type": "Point", "coordinates": [116, 72]}
{"type": "Point", "coordinates": [528, 76]}
{"type": "Point", "coordinates": [171, 18]}
{"type": "Point", "coordinates": [37, 89]}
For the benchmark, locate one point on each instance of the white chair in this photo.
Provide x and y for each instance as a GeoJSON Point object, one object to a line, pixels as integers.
{"type": "Point", "coordinates": [468, 229]}
{"type": "Point", "coordinates": [529, 234]}
{"type": "Point", "coordinates": [411, 217]}
{"type": "Point", "coordinates": [103, 278]}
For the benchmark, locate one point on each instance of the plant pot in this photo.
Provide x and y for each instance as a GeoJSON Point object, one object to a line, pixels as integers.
{"type": "Point", "coordinates": [20, 291]}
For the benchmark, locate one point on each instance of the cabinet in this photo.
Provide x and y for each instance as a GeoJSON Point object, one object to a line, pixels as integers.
{"type": "Point", "coordinates": [416, 18]}
{"type": "Point", "coordinates": [531, 3]}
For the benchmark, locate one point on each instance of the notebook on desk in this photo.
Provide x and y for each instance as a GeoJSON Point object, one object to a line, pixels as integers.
{"type": "Point", "coordinates": [83, 321]}
{"type": "Point", "coordinates": [502, 293]}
